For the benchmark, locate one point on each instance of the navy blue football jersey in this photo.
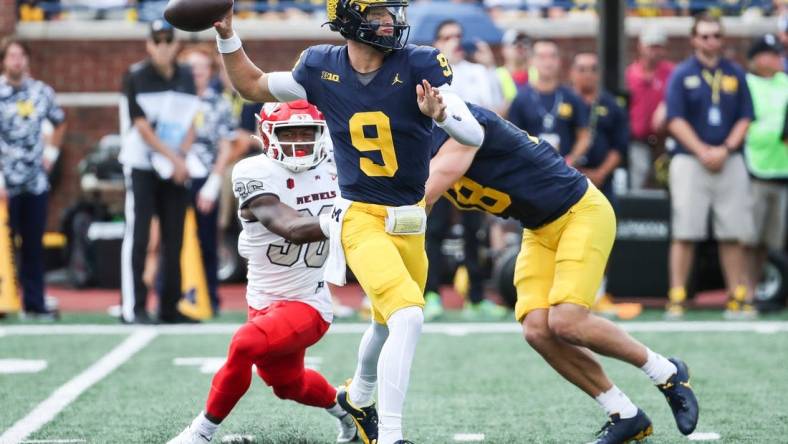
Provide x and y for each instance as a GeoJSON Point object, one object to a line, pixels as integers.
{"type": "Point", "coordinates": [514, 175]}
{"type": "Point", "coordinates": [381, 139]}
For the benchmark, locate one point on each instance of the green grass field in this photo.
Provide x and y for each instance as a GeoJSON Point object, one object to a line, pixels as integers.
{"type": "Point", "coordinates": [463, 381]}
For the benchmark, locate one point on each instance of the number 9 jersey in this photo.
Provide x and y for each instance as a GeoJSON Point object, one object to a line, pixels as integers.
{"type": "Point", "coordinates": [381, 139]}
{"type": "Point", "coordinates": [278, 269]}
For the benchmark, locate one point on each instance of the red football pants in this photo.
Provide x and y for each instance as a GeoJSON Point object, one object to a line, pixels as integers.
{"type": "Point", "coordinates": [275, 340]}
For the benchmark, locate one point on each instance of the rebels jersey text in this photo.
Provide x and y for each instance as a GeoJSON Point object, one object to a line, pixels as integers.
{"type": "Point", "coordinates": [278, 269]}
{"type": "Point", "coordinates": [381, 139]}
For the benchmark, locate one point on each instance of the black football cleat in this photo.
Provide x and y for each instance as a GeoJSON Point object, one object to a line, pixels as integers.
{"type": "Point", "coordinates": [681, 398]}
{"type": "Point", "coordinates": [620, 431]}
{"type": "Point", "coordinates": [366, 418]}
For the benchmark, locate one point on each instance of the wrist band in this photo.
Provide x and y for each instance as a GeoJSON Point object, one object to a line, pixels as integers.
{"type": "Point", "coordinates": [325, 224]}
{"type": "Point", "coordinates": [227, 46]}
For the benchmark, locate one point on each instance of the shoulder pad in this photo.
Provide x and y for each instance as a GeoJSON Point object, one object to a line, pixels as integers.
{"type": "Point", "coordinates": [421, 56]}
{"type": "Point", "coordinates": [315, 55]}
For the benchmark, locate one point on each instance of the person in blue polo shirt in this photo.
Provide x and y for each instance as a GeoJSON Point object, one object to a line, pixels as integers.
{"type": "Point", "coordinates": [607, 121]}
{"type": "Point", "coordinates": [549, 110]}
{"type": "Point", "coordinates": [709, 111]}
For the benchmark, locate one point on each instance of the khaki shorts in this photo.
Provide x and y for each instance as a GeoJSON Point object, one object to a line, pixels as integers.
{"type": "Point", "coordinates": [694, 191]}
{"type": "Point", "coordinates": [770, 203]}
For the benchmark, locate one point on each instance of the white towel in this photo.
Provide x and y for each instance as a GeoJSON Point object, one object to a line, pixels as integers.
{"type": "Point", "coordinates": [336, 265]}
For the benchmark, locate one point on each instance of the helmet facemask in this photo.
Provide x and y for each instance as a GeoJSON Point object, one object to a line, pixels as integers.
{"type": "Point", "coordinates": [297, 145]}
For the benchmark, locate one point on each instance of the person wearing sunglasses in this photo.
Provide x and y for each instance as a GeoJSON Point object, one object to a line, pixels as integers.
{"type": "Point", "coordinates": [160, 104]}
{"type": "Point", "coordinates": [709, 110]}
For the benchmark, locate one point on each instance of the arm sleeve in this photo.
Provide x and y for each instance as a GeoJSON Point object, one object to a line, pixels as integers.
{"type": "Point", "coordinates": [135, 110]}
{"type": "Point", "coordinates": [460, 123]}
{"type": "Point", "coordinates": [250, 181]}
{"type": "Point", "coordinates": [674, 97]}
{"type": "Point", "coordinates": [285, 86]}
{"type": "Point", "coordinates": [55, 113]}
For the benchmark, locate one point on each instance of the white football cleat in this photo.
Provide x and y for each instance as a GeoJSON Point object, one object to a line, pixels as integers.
{"type": "Point", "coordinates": [189, 436]}
{"type": "Point", "coordinates": [347, 429]}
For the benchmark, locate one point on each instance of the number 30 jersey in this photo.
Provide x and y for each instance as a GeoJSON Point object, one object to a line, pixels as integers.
{"type": "Point", "coordinates": [381, 139]}
{"type": "Point", "coordinates": [278, 269]}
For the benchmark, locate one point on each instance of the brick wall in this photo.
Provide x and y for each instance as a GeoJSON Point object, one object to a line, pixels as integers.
{"type": "Point", "coordinates": [7, 17]}
{"type": "Point", "coordinates": [91, 66]}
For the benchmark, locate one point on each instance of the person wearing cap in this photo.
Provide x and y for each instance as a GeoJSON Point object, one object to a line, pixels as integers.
{"type": "Point", "coordinates": [647, 79]}
{"type": "Point", "coordinates": [160, 104]}
{"type": "Point", "coordinates": [551, 111]}
{"type": "Point", "coordinates": [709, 110]}
{"type": "Point", "coordinates": [765, 151]}
{"type": "Point", "coordinates": [26, 157]}
{"type": "Point", "coordinates": [513, 75]}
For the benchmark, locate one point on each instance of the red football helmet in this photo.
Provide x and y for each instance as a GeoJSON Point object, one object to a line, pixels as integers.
{"type": "Point", "coordinates": [296, 154]}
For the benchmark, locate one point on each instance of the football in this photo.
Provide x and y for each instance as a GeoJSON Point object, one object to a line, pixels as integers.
{"type": "Point", "coordinates": [196, 15]}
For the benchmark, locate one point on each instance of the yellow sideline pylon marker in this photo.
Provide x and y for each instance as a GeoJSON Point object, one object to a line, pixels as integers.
{"type": "Point", "coordinates": [195, 302]}
{"type": "Point", "coordinates": [9, 291]}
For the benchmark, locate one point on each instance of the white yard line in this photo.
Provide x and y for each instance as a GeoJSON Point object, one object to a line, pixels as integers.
{"type": "Point", "coordinates": [704, 436]}
{"type": "Point", "coordinates": [469, 437]}
{"type": "Point", "coordinates": [10, 366]}
{"type": "Point", "coordinates": [52, 441]}
{"type": "Point", "coordinates": [68, 392]}
{"type": "Point", "coordinates": [452, 329]}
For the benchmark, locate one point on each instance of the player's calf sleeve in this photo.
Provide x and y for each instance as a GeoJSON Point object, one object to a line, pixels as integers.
{"type": "Point", "coordinates": [310, 389]}
{"type": "Point", "coordinates": [394, 365]}
{"type": "Point", "coordinates": [233, 379]}
{"type": "Point", "coordinates": [362, 386]}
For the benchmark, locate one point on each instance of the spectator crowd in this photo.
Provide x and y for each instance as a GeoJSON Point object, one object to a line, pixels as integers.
{"type": "Point", "coordinates": [148, 10]}
{"type": "Point", "coordinates": [719, 126]}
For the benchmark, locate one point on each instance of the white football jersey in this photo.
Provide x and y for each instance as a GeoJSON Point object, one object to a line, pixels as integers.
{"type": "Point", "coordinates": [278, 269]}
